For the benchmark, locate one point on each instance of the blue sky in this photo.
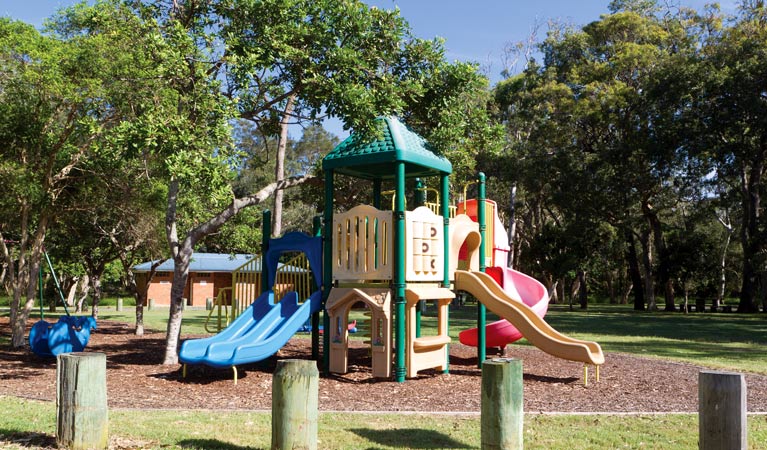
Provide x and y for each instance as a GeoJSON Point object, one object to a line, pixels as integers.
{"type": "Point", "coordinates": [474, 30]}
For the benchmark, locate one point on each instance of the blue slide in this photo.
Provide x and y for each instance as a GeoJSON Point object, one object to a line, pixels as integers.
{"type": "Point", "coordinates": [264, 327]}
{"type": "Point", "coordinates": [255, 335]}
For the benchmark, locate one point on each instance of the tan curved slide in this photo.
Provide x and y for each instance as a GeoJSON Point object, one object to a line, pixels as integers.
{"type": "Point", "coordinates": [533, 328]}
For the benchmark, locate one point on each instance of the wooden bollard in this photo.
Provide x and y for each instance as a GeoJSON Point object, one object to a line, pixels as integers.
{"type": "Point", "coordinates": [82, 417]}
{"type": "Point", "coordinates": [150, 304]}
{"type": "Point", "coordinates": [501, 405]}
{"type": "Point", "coordinates": [208, 304]}
{"type": "Point", "coordinates": [295, 399]}
{"type": "Point", "coordinates": [722, 413]}
{"type": "Point", "coordinates": [119, 304]}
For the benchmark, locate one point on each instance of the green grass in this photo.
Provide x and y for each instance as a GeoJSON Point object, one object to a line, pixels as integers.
{"type": "Point", "coordinates": [32, 423]}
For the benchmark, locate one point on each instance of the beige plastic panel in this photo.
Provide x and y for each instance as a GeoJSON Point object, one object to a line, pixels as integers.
{"type": "Point", "coordinates": [424, 245]}
{"type": "Point", "coordinates": [362, 244]}
{"type": "Point", "coordinates": [378, 301]}
{"type": "Point", "coordinates": [426, 352]}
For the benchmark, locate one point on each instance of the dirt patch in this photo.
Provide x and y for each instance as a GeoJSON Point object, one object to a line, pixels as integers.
{"type": "Point", "coordinates": [136, 379]}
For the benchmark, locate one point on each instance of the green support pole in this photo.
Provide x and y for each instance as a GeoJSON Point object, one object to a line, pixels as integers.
{"type": "Point", "coordinates": [445, 211]}
{"type": "Point", "coordinates": [266, 234]}
{"type": "Point", "coordinates": [317, 227]}
{"type": "Point", "coordinates": [399, 275]}
{"type": "Point", "coordinates": [377, 193]}
{"type": "Point", "coordinates": [481, 310]}
{"type": "Point", "coordinates": [327, 273]}
{"type": "Point", "coordinates": [420, 199]}
{"type": "Point", "coordinates": [56, 282]}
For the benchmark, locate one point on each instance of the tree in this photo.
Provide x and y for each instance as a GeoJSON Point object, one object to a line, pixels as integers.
{"type": "Point", "coordinates": [587, 135]}
{"type": "Point", "coordinates": [57, 102]}
{"type": "Point", "coordinates": [731, 106]}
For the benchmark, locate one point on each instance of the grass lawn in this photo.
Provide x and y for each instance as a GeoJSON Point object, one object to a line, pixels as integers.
{"type": "Point", "coordinates": [730, 341]}
{"type": "Point", "coordinates": [31, 423]}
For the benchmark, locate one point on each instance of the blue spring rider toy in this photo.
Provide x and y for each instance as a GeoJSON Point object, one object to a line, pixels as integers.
{"type": "Point", "coordinates": [69, 334]}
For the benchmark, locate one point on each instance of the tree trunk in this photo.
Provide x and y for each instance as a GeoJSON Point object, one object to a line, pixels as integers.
{"type": "Point", "coordinates": [647, 263]}
{"type": "Point", "coordinates": [72, 292]}
{"type": "Point", "coordinates": [512, 224]}
{"type": "Point", "coordinates": [626, 293]}
{"type": "Point", "coordinates": [634, 273]}
{"type": "Point", "coordinates": [279, 167]}
{"type": "Point", "coordinates": [553, 293]}
{"type": "Point", "coordinates": [723, 264]}
{"type": "Point", "coordinates": [583, 291]}
{"type": "Point", "coordinates": [85, 284]}
{"type": "Point", "coordinates": [173, 332]}
{"type": "Point", "coordinates": [749, 234]}
{"type": "Point", "coordinates": [664, 275]}
{"type": "Point", "coordinates": [574, 289]}
{"type": "Point", "coordinates": [96, 286]}
{"type": "Point", "coordinates": [610, 279]}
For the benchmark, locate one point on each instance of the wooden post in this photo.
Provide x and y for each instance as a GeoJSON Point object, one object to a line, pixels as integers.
{"type": "Point", "coordinates": [81, 401]}
{"type": "Point", "coordinates": [208, 304]}
{"type": "Point", "coordinates": [722, 414]}
{"type": "Point", "coordinates": [150, 304]}
{"type": "Point", "coordinates": [501, 405]}
{"type": "Point", "coordinates": [295, 399]}
{"type": "Point", "coordinates": [119, 304]}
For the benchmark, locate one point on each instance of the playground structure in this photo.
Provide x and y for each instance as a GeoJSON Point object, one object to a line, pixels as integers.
{"type": "Point", "coordinates": [391, 261]}
{"type": "Point", "coordinates": [69, 334]}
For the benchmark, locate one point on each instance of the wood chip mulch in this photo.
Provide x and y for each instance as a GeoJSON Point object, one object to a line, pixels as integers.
{"type": "Point", "coordinates": [137, 379]}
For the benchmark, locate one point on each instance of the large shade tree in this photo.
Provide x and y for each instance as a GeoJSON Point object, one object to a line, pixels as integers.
{"type": "Point", "coordinates": [217, 60]}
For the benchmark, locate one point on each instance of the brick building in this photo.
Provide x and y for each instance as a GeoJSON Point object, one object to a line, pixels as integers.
{"type": "Point", "coordinates": [208, 274]}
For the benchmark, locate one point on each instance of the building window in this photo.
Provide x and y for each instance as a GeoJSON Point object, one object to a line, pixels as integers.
{"type": "Point", "coordinates": [203, 274]}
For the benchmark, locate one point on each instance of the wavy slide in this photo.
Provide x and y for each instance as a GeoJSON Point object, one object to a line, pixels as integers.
{"type": "Point", "coordinates": [258, 333]}
{"type": "Point", "coordinates": [534, 328]}
{"type": "Point", "coordinates": [518, 286]}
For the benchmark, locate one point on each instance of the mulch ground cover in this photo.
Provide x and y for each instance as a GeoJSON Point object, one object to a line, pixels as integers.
{"type": "Point", "coordinates": [137, 379]}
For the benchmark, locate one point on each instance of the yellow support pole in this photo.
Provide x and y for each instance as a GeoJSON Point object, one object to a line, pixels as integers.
{"type": "Point", "coordinates": [234, 369]}
{"type": "Point", "coordinates": [183, 371]}
{"type": "Point", "coordinates": [585, 374]}
{"type": "Point", "coordinates": [597, 373]}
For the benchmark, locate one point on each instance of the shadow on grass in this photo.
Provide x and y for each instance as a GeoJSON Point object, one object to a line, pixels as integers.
{"type": "Point", "coordinates": [409, 438]}
{"type": "Point", "coordinates": [26, 439]}
{"type": "Point", "coordinates": [211, 444]}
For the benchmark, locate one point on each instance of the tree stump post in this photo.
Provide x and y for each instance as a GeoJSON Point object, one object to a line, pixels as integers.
{"type": "Point", "coordinates": [722, 414]}
{"type": "Point", "coordinates": [208, 304]}
{"type": "Point", "coordinates": [150, 304]}
{"type": "Point", "coordinates": [82, 417]}
{"type": "Point", "coordinates": [295, 398]}
{"type": "Point", "coordinates": [119, 304]}
{"type": "Point", "coordinates": [501, 404]}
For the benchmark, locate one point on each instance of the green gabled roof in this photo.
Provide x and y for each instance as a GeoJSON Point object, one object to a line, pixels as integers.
{"type": "Point", "coordinates": [377, 159]}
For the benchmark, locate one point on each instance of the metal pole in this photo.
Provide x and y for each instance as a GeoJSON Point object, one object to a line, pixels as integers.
{"type": "Point", "coordinates": [317, 228]}
{"type": "Point", "coordinates": [481, 310]}
{"type": "Point", "coordinates": [327, 273]}
{"type": "Point", "coordinates": [266, 234]}
{"type": "Point", "coordinates": [445, 211]}
{"type": "Point", "coordinates": [56, 282]}
{"type": "Point", "coordinates": [399, 275]}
